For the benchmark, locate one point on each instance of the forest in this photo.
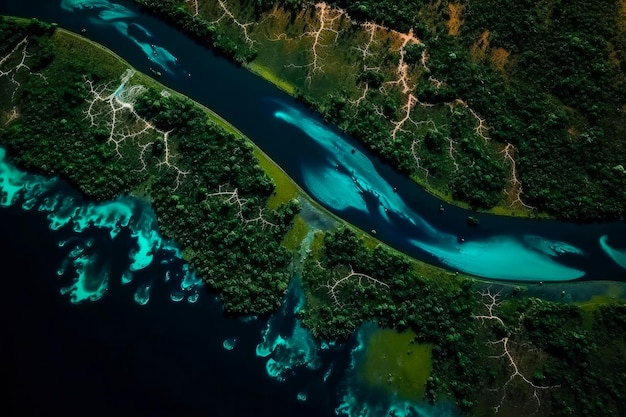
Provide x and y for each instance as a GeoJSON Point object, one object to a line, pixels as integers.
{"type": "Point", "coordinates": [552, 359]}
{"type": "Point", "coordinates": [64, 128]}
{"type": "Point", "coordinates": [210, 196]}
{"type": "Point", "coordinates": [506, 105]}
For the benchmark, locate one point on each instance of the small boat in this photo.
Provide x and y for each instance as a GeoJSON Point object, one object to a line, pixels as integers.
{"type": "Point", "coordinates": [155, 72]}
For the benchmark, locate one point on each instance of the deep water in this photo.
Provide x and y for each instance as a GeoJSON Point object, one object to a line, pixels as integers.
{"type": "Point", "coordinates": [336, 170]}
{"type": "Point", "coordinates": [100, 316]}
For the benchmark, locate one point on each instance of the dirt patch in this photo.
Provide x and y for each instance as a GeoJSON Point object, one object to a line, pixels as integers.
{"type": "Point", "coordinates": [499, 58]}
{"type": "Point", "coordinates": [573, 131]}
{"type": "Point", "coordinates": [479, 48]}
{"type": "Point", "coordinates": [455, 22]}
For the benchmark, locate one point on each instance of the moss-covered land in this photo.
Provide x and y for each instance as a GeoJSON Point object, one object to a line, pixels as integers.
{"type": "Point", "coordinates": [503, 105]}
{"type": "Point", "coordinates": [394, 362]}
{"type": "Point", "coordinates": [237, 229]}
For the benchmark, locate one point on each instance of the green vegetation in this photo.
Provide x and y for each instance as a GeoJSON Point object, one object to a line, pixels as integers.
{"type": "Point", "coordinates": [215, 207]}
{"type": "Point", "coordinates": [203, 32]}
{"type": "Point", "coordinates": [239, 231]}
{"type": "Point", "coordinates": [384, 289]}
{"type": "Point", "coordinates": [509, 106]}
{"type": "Point", "coordinates": [394, 362]}
{"type": "Point", "coordinates": [563, 353]}
{"type": "Point", "coordinates": [575, 358]}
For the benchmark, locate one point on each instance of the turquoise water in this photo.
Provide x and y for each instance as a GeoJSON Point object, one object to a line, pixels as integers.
{"type": "Point", "coordinates": [112, 255]}
{"type": "Point", "coordinates": [344, 180]}
{"type": "Point", "coordinates": [90, 273]}
{"type": "Point", "coordinates": [339, 173]}
{"type": "Point", "coordinates": [116, 16]}
{"type": "Point", "coordinates": [617, 255]}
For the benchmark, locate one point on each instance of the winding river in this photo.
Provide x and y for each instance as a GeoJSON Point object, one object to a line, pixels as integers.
{"type": "Point", "coordinates": [142, 336]}
{"type": "Point", "coordinates": [336, 170]}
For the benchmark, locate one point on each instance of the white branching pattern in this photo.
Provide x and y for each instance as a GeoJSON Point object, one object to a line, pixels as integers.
{"type": "Point", "coordinates": [195, 5]}
{"type": "Point", "coordinates": [451, 152]}
{"type": "Point", "coordinates": [371, 29]}
{"type": "Point", "coordinates": [114, 110]}
{"type": "Point", "coordinates": [491, 302]}
{"type": "Point", "coordinates": [366, 52]}
{"type": "Point", "coordinates": [328, 21]}
{"type": "Point", "coordinates": [12, 115]}
{"type": "Point", "coordinates": [506, 353]}
{"type": "Point", "coordinates": [233, 199]}
{"type": "Point", "coordinates": [228, 15]}
{"type": "Point", "coordinates": [417, 158]}
{"type": "Point", "coordinates": [402, 70]}
{"type": "Point", "coordinates": [358, 101]}
{"type": "Point", "coordinates": [481, 125]}
{"type": "Point", "coordinates": [21, 66]}
{"type": "Point", "coordinates": [515, 189]}
{"type": "Point", "coordinates": [335, 283]}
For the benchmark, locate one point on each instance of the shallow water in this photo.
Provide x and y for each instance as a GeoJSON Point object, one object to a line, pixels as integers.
{"type": "Point", "coordinates": [336, 170]}
{"type": "Point", "coordinates": [101, 316]}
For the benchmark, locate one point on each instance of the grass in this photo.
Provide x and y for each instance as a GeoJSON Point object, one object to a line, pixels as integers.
{"type": "Point", "coordinates": [395, 363]}
{"type": "Point", "coordinates": [72, 46]}
{"type": "Point", "coordinates": [286, 190]}
{"type": "Point", "coordinates": [295, 235]}
{"type": "Point", "coordinates": [270, 76]}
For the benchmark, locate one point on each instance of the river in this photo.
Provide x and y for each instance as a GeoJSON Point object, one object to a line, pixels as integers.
{"type": "Point", "coordinates": [101, 316]}
{"type": "Point", "coordinates": [336, 170]}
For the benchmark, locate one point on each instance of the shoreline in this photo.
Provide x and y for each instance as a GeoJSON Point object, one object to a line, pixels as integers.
{"type": "Point", "coordinates": [262, 158]}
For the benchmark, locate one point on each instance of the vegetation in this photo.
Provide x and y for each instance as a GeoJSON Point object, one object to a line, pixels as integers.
{"type": "Point", "coordinates": [512, 104]}
{"type": "Point", "coordinates": [384, 291]}
{"type": "Point", "coordinates": [233, 243]}
{"type": "Point", "coordinates": [574, 357]}
{"type": "Point", "coordinates": [232, 224]}
{"type": "Point", "coordinates": [204, 33]}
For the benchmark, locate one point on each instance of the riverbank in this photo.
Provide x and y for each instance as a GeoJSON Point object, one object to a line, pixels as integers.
{"type": "Point", "coordinates": [487, 161]}
{"type": "Point", "coordinates": [349, 278]}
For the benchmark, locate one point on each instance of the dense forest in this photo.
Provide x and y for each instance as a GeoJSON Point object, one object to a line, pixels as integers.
{"type": "Point", "coordinates": [59, 96]}
{"type": "Point", "coordinates": [495, 352]}
{"type": "Point", "coordinates": [64, 127]}
{"type": "Point", "coordinates": [517, 105]}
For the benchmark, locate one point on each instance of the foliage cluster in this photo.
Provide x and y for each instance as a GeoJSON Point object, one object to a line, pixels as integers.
{"type": "Point", "coordinates": [558, 98]}
{"type": "Point", "coordinates": [440, 313]}
{"type": "Point", "coordinates": [585, 358]}
{"type": "Point", "coordinates": [244, 262]}
{"type": "Point", "coordinates": [205, 34]}
{"type": "Point", "coordinates": [557, 95]}
{"type": "Point", "coordinates": [249, 267]}
{"type": "Point", "coordinates": [52, 135]}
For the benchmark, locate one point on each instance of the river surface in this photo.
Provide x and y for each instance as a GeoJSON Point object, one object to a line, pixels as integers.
{"type": "Point", "coordinates": [101, 316]}
{"type": "Point", "coordinates": [337, 171]}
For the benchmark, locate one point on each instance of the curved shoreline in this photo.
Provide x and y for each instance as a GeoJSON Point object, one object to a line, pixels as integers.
{"type": "Point", "coordinates": [458, 216]}
{"type": "Point", "coordinates": [215, 117]}
{"type": "Point", "coordinates": [224, 123]}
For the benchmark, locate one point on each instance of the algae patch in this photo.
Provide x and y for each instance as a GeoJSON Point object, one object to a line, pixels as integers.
{"type": "Point", "coordinates": [394, 362]}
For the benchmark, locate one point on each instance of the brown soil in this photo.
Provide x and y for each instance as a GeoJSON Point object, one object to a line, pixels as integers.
{"type": "Point", "coordinates": [499, 58]}
{"type": "Point", "coordinates": [479, 48]}
{"type": "Point", "coordinates": [455, 22]}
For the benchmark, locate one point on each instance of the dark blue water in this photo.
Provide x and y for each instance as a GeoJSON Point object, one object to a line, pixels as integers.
{"type": "Point", "coordinates": [115, 355]}
{"type": "Point", "coordinates": [322, 161]}
{"type": "Point", "coordinates": [83, 333]}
